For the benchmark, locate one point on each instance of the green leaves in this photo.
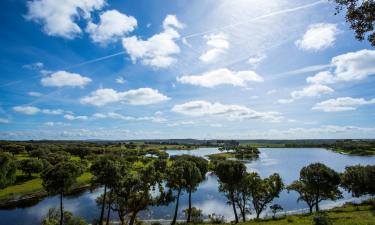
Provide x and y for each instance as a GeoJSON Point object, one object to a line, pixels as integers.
{"type": "Point", "coordinates": [8, 168]}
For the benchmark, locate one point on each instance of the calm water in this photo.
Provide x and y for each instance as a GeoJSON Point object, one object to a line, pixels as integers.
{"type": "Point", "coordinates": [287, 162]}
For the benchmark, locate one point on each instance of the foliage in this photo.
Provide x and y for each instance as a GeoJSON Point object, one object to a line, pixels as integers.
{"type": "Point", "coordinates": [196, 215]}
{"type": "Point", "coordinates": [216, 219]}
{"type": "Point", "coordinates": [306, 193]}
{"type": "Point", "coordinates": [321, 219]}
{"type": "Point", "coordinates": [275, 208]}
{"type": "Point", "coordinates": [53, 217]}
{"type": "Point", "coordinates": [7, 170]}
{"type": "Point", "coordinates": [29, 166]}
{"type": "Point", "coordinates": [359, 180]}
{"type": "Point", "coordinates": [361, 16]}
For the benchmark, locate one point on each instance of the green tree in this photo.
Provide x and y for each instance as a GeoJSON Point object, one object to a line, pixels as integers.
{"type": "Point", "coordinates": [306, 194]}
{"type": "Point", "coordinates": [322, 181]}
{"type": "Point", "coordinates": [59, 179]}
{"type": "Point", "coordinates": [193, 176]}
{"type": "Point", "coordinates": [361, 16]}
{"type": "Point", "coordinates": [264, 191]}
{"type": "Point", "coordinates": [53, 217]}
{"type": "Point", "coordinates": [243, 193]}
{"type": "Point", "coordinates": [196, 215]}
{"type": "Point", "coordinates": [359, 180]}
{"type": "Point", "coordinates": [275, 208]}
{"type": "Point", "coordinates": [8, 169]}
{"type": "Point", "coordinates": [230, 174]}
{"type": "Point", "coordinates": [29, 166]}
{"type": "Point", "coordinates": [106, 172]}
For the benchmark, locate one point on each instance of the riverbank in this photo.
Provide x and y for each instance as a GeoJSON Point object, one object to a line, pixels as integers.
{"type": "Point", "coordinates": [32, 190]}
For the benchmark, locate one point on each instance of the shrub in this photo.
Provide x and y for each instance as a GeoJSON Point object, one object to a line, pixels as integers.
{"type": "Point", "coordinates": [322, 219]}
{"type": "Point", "coordinates": [216, 219]}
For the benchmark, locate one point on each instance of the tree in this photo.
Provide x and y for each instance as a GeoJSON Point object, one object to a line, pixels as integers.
{"type": "Point", "coordinates": [59, 179]}
{"type": "Point", "coordinates": [275, 208]}
{"type": "Point", "coordinates": [53, 215]}
{"type": "Point", "coordinates": [106, 172]}
{"type": "Point", "coordinates": [264, 191]}
{"type": "Point", "coordinates": [29, 166]}
{"type": "Point", "coordinates": [8, 169]}
{"type": "Point", "coordinates": [359, 180]}
{"type": "Point", "coordinates": [230, 174]}
{"type": "Point", "coordinates": [361, 16]}
{"type": "Point", "coordinates": [14, 149]}
{"type": "Point", "coordinates": [243, 193]}
{"type": "Point", "coordinates": [196, 215]}
{"type": "Point", "coordinates": [322, 181]}
{"type": "Point", "coordinates": [194, 175]}
{"type": "Point", "coordinates": [305, 193]}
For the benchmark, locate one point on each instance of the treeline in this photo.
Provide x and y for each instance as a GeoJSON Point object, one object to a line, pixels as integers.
{"type": "Point", "coordinates": [133, 180]}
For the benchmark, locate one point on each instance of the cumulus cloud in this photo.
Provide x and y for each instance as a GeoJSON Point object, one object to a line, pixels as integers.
{"type": "Point", "coordinates": [63, 78]}
{"type": "Point", "coordinates": [141, 96]}
{"type": "Point", "coordinates": [347, 67]}
{"type": "Point", "coordinates": [231, 112]}
{"type": "Point", "coordinates": [120, 80]}
{"type": "Point", "coordinates": [220, 77]}
{"type": "Point", "coordinates": [314, 90]}
{"type": "Point", "coordinates": [112, 26]}
{"type": "Point", "coordinates": [218, 44]}
{"type": "Point", "coordinates": [158, 50]}
{"type": "Point", "coordinates": [342, 104]}
{"type": "Point", "coordinates": [59, 18]}
{"type": "Point", "coordinates": [32, 110]}
{"type": "Point", "coordinates": [181, 123]}
{"type": "Point", "coordinates": [318, 36]}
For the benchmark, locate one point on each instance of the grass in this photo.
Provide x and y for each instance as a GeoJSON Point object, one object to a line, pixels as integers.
{"type": "Point", "coordinates": [348, 214]}
{"type": "Point", "coordinates": [34, 186]}
{"type": "Point", "coordinates": [221, 155]}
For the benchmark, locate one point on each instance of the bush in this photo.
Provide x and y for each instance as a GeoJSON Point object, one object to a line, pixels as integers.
{"type": "Point", "coordinates": [322, 219]}
{"type": "Point", "coordinates": [53, 218]}
{"type": "Point", "coordinates": [196, 215]}
{"type": "Point", "coordinates": [216, 219]}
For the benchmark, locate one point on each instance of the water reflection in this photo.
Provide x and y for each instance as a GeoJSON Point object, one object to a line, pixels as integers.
{"type": "Point", "coordinates": [286, 162]}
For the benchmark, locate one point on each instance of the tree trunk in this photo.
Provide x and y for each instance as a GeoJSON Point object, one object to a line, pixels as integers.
{"type": "Point", "coordinates": [103, 206]}
{"type": "Point", "coordinates": [61, 209]}
{"type": "Point", "coordinates": [243, 216]}
{"type": "Point", "coordinates": [234, 208]}
{"type": "Point", "coordinates": [132, 218]}
{"type": "Point", "coordinates": [316, 204]}
{"type": "Point", "coordinates": [258, 215]}
{"type": "Point", "coordinates": [108, 213]}
{"type": "Point", "coordinates": [311, 208]}
{"type": "Point", "coordinates": [189, 212]}
{"type": "Point", "coordinates": [176, 208]}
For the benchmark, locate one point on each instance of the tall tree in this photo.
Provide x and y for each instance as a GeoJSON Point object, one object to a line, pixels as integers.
{"type": "Point", "coordinates": [322, 180]}
{"type": "Point", "coordinates": [59, 179]}
{"type": "Point", "coordinates": [306, 194]}
{"type": "Point", "coordinates": [264, 191]}
{"type": "Point", "coordinates": [361, 16]}
{"type": "Point", "coordinates": [230, 174]}
{"type": "Point", "coordinates": [8, 169]}
{"type": "Point", "coordinates": [359, 180]}
{"type": "Point", "coordinates": [194, 175]}
{"type": "Point", "coordinates": [106, 172]}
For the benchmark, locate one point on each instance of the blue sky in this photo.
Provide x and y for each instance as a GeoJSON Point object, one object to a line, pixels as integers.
{"type": "Point", "coordinates": [97, 69]}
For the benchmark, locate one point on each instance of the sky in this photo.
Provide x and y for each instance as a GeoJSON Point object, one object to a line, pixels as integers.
{"type": "Point", "coordinates": [205, 69]}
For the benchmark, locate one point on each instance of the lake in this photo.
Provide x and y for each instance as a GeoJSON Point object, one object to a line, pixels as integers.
{"type": "Point", "coordinates": [285, 161]}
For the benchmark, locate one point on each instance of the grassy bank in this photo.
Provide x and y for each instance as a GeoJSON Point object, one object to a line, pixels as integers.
{"type": "Point", "coordinates": [349, 214]}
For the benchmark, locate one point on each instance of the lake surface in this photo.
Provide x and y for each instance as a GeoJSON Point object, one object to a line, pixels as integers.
{"type": "Point", "coordinates": [285, 161]}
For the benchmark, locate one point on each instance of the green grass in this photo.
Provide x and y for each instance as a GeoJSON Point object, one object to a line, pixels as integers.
{"type": "Point", "coordinates": [347, 215]}
{"type": "Point", "coordinates": [33, 186]}
{"type": "Point", "coordinates": [221, 155]}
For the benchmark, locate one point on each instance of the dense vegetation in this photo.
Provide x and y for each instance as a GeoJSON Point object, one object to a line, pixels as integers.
{"type": "Point", "coordinates": [136, 176]}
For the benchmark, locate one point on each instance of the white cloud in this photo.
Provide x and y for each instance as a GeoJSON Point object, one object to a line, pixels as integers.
{"type": "Point", "coordinates": [314, 90]}
{"type": "Point", "coordinates": [120, 80]}
{"type": "Point", "coordinates": [347, 67]}
{"type": "Point", "coordinates": [318, 36]}
{"type": "Point", "coordinates": [141, 96]}
{"type": "Point", "coordinates": [34, 66]}
{"type": "Point", "coordinates": [58, 18]}
{"type": "Point", "coordinates": [63, 78]}
{"type": "Point", "coordinates": [221, 76]}
{"type": "Point", "coordinates": [218, 43]}
{"type": "Point", "coordinates": [255, 60]}
{"type": "Point", "coordinates": [34, 94]}
{"type": "Point", "coordinates": [270, 92]}
{"type": "Point", "coordinates": [182, 123]}
{"type": "Point", "coordinates": [231, 112]}
{"type": "Point", "coordinates": [342, 104]}
{"type": "Point", "coordinates": [72, 117]}
{"type": "Point", "coordinates": [32, 110]}
{"type": "Point", "coordinates": [285, 101]}
{"type": "Point", "coordinates": [28, 110]}
{"type": "Point", "coordinates": [53, 124]}
{"type": "Point", "coordinates": [158, 50]}
{"type": "Point", "coordinates": [112, 115]}
{"type": "Point", "coordinates": [112, 26]}
{"type": "Point", "coordinates": [3, 120]}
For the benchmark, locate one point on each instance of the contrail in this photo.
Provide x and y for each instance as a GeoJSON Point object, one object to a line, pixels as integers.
{"type": "Point", "coordinates": [96, 60]}
{"type": "Point", "coordinates": [257, 18]}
